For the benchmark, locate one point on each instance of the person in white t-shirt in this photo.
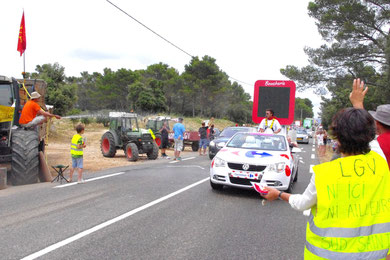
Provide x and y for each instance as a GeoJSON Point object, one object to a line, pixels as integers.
{"type": "Point", "coordinates": [269, 125]}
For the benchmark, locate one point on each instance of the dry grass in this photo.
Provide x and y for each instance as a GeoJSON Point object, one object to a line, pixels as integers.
{"type": "Point", "coordinates": [61, 132]}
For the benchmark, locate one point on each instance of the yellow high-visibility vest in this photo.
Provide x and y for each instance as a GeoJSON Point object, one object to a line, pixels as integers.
{"type": "Point", "coordinates": [73, 147]}
{"type": "Point", "coordinates": [352, 217]}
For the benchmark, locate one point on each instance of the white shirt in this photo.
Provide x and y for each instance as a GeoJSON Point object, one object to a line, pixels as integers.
{"type": "Point", "coordinates": [308, 199]}
{"type": "Point", "coordinates": [276, 126]}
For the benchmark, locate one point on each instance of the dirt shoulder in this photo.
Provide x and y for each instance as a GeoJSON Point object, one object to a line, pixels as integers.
{"type": "Point", "coordinates": [58, 148]}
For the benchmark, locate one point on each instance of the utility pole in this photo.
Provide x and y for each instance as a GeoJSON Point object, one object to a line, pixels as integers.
{"type": "Point", "coordinates": [301, 118]}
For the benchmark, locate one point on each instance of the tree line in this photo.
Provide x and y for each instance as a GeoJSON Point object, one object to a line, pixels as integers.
{"type": "Point", "coordinates": [203, 90]}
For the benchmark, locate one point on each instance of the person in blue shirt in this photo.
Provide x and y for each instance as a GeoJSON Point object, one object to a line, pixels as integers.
{"type": "Point", "coordinates": [178, 130]}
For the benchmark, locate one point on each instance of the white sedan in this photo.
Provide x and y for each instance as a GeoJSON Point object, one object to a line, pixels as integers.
{"type": "Point", "coordinates": [255, 157]}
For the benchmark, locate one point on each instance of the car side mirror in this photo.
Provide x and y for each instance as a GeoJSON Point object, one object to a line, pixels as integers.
{"type": "Point", "coordinates": [296, 150]}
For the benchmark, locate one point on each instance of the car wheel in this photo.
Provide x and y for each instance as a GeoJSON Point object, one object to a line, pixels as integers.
{"type": "Point", "coordinates": [290, 186]}
{"type": "Point", "coordinates": [216, 186]}
{"type": "Point", "coordinates": [211, 156]}
{"type": "Point", "coordinates": [296, 175]}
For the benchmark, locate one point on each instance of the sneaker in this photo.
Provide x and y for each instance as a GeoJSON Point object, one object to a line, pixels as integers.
{"type": "Point", "coordinates": [167, 157]}
{"type": "Point", "coordinates": [179, 158]}
{"type": "Point", "coordinates": [174, 159]}
{"type": "Point", "coordinates": [81, 181]}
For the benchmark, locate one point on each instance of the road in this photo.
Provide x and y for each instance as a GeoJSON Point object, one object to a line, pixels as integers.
{"type": "Point", "coordinates": [158, 210]}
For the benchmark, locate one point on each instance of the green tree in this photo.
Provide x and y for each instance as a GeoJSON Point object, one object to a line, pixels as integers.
{"type": "Point", "coordinates": [303, 108]}
{"type": "Point", "coordinates": [60, 94]}
{"type": "Point", "coordinates": [357, 44]}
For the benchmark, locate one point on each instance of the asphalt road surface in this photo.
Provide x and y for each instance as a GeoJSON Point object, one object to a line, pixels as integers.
{"type": "Point", "coordinates": [158, 210]}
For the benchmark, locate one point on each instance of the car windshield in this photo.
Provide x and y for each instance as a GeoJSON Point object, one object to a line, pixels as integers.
{"type": "Point", "coordinates": [258, 142]}
{"type": "Point", "coordinates": [301, 132]}
{"type": "Point", "coordinates": [230, 131]}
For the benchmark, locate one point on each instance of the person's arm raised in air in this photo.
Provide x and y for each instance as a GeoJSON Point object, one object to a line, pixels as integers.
{"type": "Point", "coordinates": [358, 92]}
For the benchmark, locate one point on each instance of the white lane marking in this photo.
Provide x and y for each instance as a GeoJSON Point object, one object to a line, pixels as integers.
{"type": "Point", "coordinates": [313, 150]}
{"type": "Point", "coordinates": [88, 180]}
{"type": "Point", "coordinates": [314, 146]}
{"type": "Point", "coordinates": [109, 222]}
{"type": "Point", "coordinates": [311, 168]}
{"type": "Point", "coordinates": [174, 161]}
{"type": "Point", "coordinates": [189, 158]}
{"type": "Point", "coordinates": [313, 156]}
{"type": "Point", "coordinates": [186, 166]}
{"type": "Point", "coordinates": [301, 161]}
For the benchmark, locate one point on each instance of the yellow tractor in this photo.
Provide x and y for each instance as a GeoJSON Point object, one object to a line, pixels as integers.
{"type": "Point", "coordinates": [21, 150]}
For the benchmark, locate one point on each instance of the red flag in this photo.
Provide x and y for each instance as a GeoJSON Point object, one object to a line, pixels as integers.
{"type": "Point", "coordinates": [22, 37]}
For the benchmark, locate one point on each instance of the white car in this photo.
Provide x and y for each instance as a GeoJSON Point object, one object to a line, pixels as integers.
{"type": "Point", "coordinates": [255, 157]}
{"type": "Point", "coordinates": [302, 136]}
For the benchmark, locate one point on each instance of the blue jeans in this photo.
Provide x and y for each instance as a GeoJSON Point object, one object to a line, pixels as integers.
{"type": "Point", "coordinates": [203, 143]}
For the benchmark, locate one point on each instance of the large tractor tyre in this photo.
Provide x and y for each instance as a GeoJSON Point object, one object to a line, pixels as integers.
{"type": "Point", "coordinates": [153, 154]}
{"type": "Point", "coordinates": [107, 145]}
{"type": "Point", "coordinates": [131, 152]}
{"type": "Point", "coordinates": [25, 157]}
{"type": "Point", "coordinates": [195, 146]}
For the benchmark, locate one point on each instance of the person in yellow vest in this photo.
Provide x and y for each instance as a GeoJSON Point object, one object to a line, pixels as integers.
{"type": "Point", "coordinates": [349, 197]}
{"type": "Point", "coordinates": [269, 124]}
{"type": "Point", "coordinates": [76, 151]}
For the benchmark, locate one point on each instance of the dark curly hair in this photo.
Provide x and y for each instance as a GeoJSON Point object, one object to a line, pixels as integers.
{"type": "Point", "coordinates": [354, 129]}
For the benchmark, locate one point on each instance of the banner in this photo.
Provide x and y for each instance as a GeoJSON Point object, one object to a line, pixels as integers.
{"type": "Point", "coordinates": [22, 37]}
{"type": "Point", "coordinates": [6, 113]}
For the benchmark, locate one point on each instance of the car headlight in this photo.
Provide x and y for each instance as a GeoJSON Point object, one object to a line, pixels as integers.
{"type": "Point", "coordinates": [212, 143]}
{"type": "Point", "coordinates": [218, 162]}
{"type": "Point", "coordinates": [221, 144]}
{"type": "Point", "coordinates": [277, 167]}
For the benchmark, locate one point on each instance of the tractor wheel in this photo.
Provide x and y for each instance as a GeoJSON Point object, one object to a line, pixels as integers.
{"type": "Point", "coordinates": [107, 145]}
{"type": "Point", "coordinates": [195, 146]}
{"type": "Point", "coordinates": [153, 154]}
{"type": "Point", "coordinates": [131, 152]}
{"type": "Point", "coordinates": [25, 157]}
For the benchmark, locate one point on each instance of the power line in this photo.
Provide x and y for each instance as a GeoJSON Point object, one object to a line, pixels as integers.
{"type": "Point", "coordinates": [174, 45]}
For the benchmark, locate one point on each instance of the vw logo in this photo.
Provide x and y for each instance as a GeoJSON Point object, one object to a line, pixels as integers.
{"type": "Point", "coordinates": [245, 167]}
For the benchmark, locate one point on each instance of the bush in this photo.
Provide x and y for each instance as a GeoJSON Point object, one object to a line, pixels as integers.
{"type": "Point", "coordinates": [103, 120]}
{"type": "Point", "coordinates": [74, 111]}
{"type": "Point", "coordinates": [75, 120]}
{"type": "Point", "coordinates": [86, 120]}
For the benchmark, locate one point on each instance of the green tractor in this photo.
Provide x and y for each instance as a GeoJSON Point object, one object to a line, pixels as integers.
{"type": "Point", "coordinates": [155, 125]}
{"type": "Point", "coordinates": [125, 134]}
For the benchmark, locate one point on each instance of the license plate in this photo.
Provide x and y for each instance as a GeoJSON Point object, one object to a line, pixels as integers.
{"type": "Point", "coordinates": [299, 138]}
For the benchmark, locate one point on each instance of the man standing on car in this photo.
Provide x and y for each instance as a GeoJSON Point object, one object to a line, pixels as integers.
{"type": "Point", "coordinates": [269, 124]}
{"type": "Point", "coordinates": [178, 130]}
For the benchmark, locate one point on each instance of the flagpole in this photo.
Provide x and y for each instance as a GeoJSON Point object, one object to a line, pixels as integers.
{"type": "Point", "coordinates": [24, 65]}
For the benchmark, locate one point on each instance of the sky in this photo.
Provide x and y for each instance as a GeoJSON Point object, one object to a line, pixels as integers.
{"type": "Point", "coordinates": [250, 39]}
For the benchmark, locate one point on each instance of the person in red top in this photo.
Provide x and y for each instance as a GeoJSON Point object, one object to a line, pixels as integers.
{"type": "Point", "coordinates": [32, 114]}
{"type": "Point", "coordinates": [381, 116]}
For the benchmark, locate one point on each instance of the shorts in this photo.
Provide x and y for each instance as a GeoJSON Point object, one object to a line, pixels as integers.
{"type": "Point", "coordinates": [203, 143]}
{"type": "Point", "coordinates": [77, 162]}
{"type": "Point", "coordinates": [178, 144]}
{"type": "Point", "coordinates": [164, 143]}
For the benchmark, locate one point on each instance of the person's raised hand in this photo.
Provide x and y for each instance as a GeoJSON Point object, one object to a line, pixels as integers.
{"type": "Point", "coordinates": [358, 92]}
